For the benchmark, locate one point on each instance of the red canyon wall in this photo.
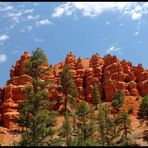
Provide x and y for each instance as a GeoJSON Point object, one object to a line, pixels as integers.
{"type": "Point", "coordinates": [108, 72]}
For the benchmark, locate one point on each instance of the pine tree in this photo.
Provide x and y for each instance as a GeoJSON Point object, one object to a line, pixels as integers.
{"type": "Point", "coordinates": [143, 110]}
{"type": "Point", "coordinates": [68, 88]}
{"type": "Point", "coordinates": [65, 130]}
{"type": "Point", "coordinates": [118, 100]}
{"type": "Point", "coordinates": [92, 125]}
{"type": "Point", "coordinates": [107, 129]}
{"type": "Point", "coordinates": [124, 124]}
{"type": "Point", "coordinates": [96, 96]}
{"type": "Point", "coordinates": [34, 115]}
{"type": "Point", "coordinates": [85, 125]}
{"type": "Point", "coordinates": [114, 130]}
{"type": "Point", "coordinates": [73, 104]}
{"type": "Point", "coordinates": [103, 119]}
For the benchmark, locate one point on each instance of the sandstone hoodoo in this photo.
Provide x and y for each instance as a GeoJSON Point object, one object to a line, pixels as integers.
{"type": "Point", "coordinates": [13, 92]}
{"type": "Point", "coordinates": [109, 73]}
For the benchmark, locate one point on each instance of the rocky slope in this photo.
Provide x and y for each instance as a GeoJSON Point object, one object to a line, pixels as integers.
{"type": "Point", "coordinates": [108, 72]}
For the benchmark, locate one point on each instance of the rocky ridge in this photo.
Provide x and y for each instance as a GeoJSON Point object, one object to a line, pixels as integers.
{"type": "Point", "coordinates": [109, 73]}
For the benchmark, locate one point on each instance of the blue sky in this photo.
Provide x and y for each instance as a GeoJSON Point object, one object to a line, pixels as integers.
{"type": "Point", "coordinates": [85, 28]}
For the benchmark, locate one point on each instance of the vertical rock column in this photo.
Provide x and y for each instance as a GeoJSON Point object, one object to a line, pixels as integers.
{"type": "Point", "coordinates": [2, 90]}
{"type": "Point", "coordinates": [14, 93]}
{"type": "Point", "coordinates": [113, 77]}
{"type": "Point", "coordinates": [143, 82]}
{"type": "Point", "coordinates": [89, 84]}
{"type": "Point", "coordinates": [97, 64]}
{"type": "Point", "coordinates": [71, 62]}
{"type": "Point", "coordinates": [80, 77]}
{"type": "Point", "coordinates": [130, 78]}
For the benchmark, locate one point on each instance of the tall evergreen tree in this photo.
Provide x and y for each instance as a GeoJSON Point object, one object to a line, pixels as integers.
{"type": "Point", "coordinates": [114, 130]}
{"type": "Point", "coordinates": [143, 110]}
{"type": "Point", "coordinates": [103, 119]}
{"type": "Point", "coordinates": [85, 125]}
{"type": "Point", "coordinates": [65, 130]}
{"type": "Point", "coordinates": [34, 111]}
{"type": "Point", "coordinates": [68, 88]}
{"type": "Point", "coordinates": [96, 96]}
{"type": "Point", "coordinates": [124, 124]}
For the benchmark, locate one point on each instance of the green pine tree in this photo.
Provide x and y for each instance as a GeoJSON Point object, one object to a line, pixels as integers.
{"type": "Point", "coordinates": [96, 96]}
{"type": "Point", "coordinates": [124, 124]}
{"type": "Point", "coordinates": [67, 87]}
{"type": "Point", "coordinates": [108, 131]}
{"type": "Point", "coordinates": [85, 125]}
{"type": "Point", "coordinates": [70, 92]}
{"type": "Point", "coordinates": [143, 110]}
{"type": "Point", "coordinates": [36, 118]}
{"type": "Point", "coordinates": [103, 119]}
{"type": "Point", "coordinates": [114, 131]}
{"type": "Point", "coordinates": [73, 104]}
{"type": "Point", "coordinates": [118, 100]}
{"type": "Point", "coordinates": [65, 130]}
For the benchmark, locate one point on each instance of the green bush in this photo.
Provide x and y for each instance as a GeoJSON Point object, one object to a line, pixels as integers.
{"type": "Point", "coordinates": [143, 110]}
{"type": "Point", "coordinates": [118, 100]}
{"type": "Point", "coordinates": [130, 110]}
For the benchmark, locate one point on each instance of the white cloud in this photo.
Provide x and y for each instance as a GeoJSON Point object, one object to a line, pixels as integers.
{"type": "Point", "coordinates": [113, 49]}
{"type": "Point", "coordinates": [136, 33]}
{"type": "Point", "coordinates": [29, 28]}
{"type": "Point", "coordinates": [16, 20]}
{"type": "Point", "coordinates": [4, 37]}
{"type": "Point", "coordinates": [6, 8]}
{"type": "Point", "coordinates": [15, 14]}
{"type": "Point", "coordinates": [28, 11]}
{"type": "Point", "coordinates": [63, 9]}
{"type": "Point", "coordinates": [2, 58]}
{"type": "Point", "coordinates": [32, 17]}
{"type": "Point", "coordinates": [107, 23]}
{"type": "Point", "coordinates": [38, 40]}
{"type": "Point", "coordinates": [91, 9]}
{"type": "Point", "coordinates": [136, 16]}
{"type": "Point", "coordinates": [22, 30]}
{"type": "Point", "coordinates": [43, 22]}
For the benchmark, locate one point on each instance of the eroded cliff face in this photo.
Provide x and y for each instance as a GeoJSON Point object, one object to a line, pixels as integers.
{"type": "Point", "coordinates": [13, 92]}
{"type": "Point", "coordinates": [108, 73]}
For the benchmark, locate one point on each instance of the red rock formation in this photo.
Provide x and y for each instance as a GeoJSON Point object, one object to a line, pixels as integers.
{"type": "Point", "coordinates": [1, 101]}
{"type": "Point", "coordinates": [113, 77]}
{"type": "Point", "coordinates": [143, 82]}
{"type": "Point", "coordinates": [80, 76]}
{"type": "Point", "coordinates": [108, 73]}
{"type": "Point", "coordinates": [96, 62]}
{"type": "Point", "coordinates": [89, 84]}
{"type": "Point", "coordinates": [14, 92]}
{"type": "Point", "coordinates": [94, 76]}
{"type": "Point", "coordinates": [1, 94]}
{"type": "Point", "coordinates": [71, 62]}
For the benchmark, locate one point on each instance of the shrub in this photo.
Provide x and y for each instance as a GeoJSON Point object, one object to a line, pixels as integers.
{"type": "Point", "coordinates": [130, 110]}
